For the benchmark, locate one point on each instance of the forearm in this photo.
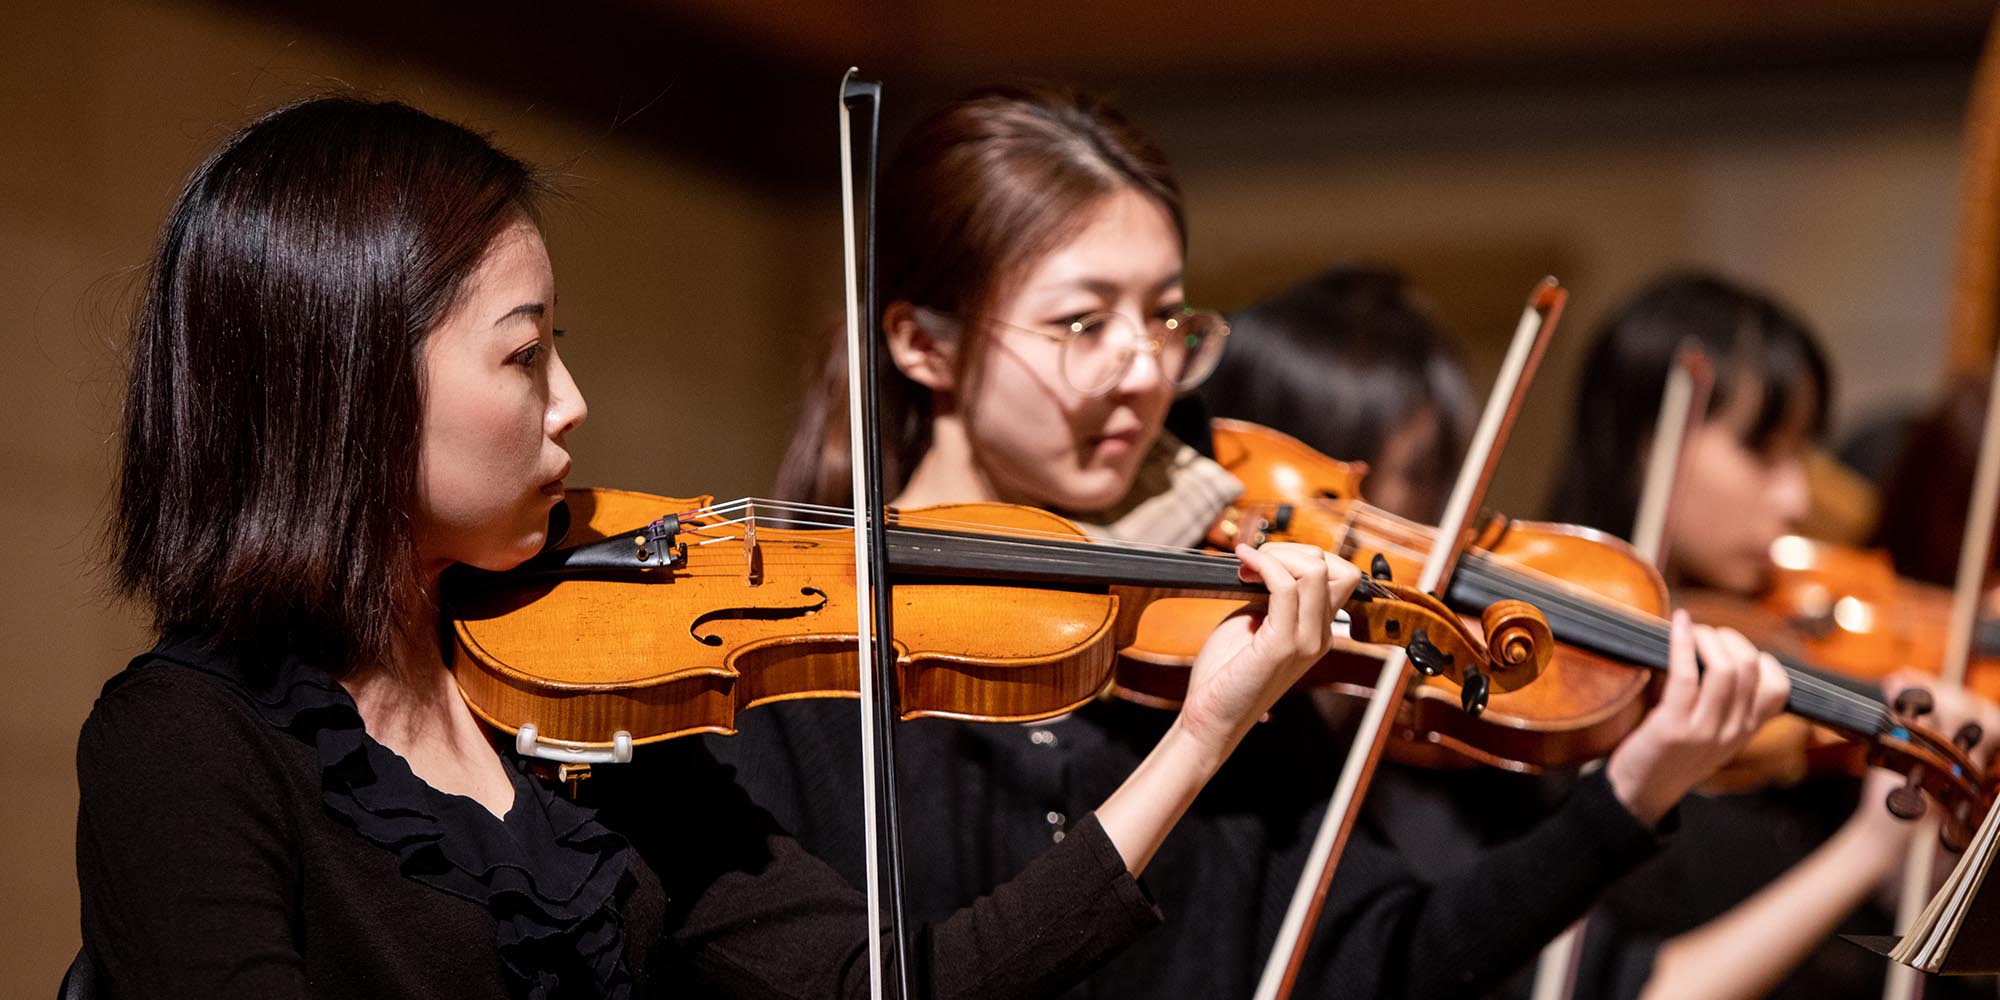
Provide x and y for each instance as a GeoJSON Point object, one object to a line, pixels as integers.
{"type": "Point", "coordinates": [1138, 816]}
{"type": "Point", "coordinates": [1746, 951]}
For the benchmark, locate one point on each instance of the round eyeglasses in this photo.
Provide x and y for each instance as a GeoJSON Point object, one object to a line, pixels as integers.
{"type": "Point", "coordinates": [1098, 349]}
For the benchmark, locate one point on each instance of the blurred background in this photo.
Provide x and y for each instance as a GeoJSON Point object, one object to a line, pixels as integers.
{"type": "Point", "coordinates": [1812, 149]}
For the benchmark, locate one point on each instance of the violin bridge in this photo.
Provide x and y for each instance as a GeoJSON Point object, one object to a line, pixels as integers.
{"type": "Point", "coordinates": [753, 558]}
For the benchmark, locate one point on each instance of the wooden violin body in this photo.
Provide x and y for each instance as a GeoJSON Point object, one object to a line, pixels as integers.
{"type": "Point", "coordinates": [754, 620]}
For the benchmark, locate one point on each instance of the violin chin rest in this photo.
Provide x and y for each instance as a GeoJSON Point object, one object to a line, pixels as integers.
{"type": "Point", "coordinates": [559, 521]}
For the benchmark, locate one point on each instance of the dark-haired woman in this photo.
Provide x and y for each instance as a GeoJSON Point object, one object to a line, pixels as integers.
{"type": "Point", "coordinates": [1756, 883]}
{"type": "Point", "coordinates": [1032, 256]}
{"type": "Point", "coordinates": [1351, 362]}
{"type": "Point", "coordinates": [288, 798]}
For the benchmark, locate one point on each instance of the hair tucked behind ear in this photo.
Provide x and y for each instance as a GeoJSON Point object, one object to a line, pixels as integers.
{"type": "Point", "coordinates": [274, 395]}
{"type": "Point", "coordinates": [1756, 345]}
{"type": "Point", "coordinates": [978, 191]}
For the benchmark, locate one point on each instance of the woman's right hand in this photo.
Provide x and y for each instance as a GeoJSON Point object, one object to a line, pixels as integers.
{"type": "Point", "coordinates": [1705, 716]}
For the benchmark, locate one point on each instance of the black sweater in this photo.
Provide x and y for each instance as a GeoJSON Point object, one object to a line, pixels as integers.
{"type": "Point", "coordinates": [239, 835]}
{"type": "Point", "coordinates": [981, 801]}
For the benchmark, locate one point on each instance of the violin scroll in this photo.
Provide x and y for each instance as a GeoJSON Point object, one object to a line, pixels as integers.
{"type": "Point", "coordinates": [1934, 770]}
{"type": "Point", "coordinates": [1516, 647]}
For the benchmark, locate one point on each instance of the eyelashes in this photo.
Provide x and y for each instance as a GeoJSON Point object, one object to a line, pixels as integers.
{"type": "Point", "coordinates": [532, 354]}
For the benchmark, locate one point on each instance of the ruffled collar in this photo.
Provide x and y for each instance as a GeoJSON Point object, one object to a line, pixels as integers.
{"type": "Point", "coordinates": [550, 874]}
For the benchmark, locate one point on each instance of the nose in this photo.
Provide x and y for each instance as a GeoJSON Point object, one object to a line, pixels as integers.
{"type": "Point", "coordinates": [1790, 490]}
{"type": "Point", "coordinates": [566, 410]}
{"type": "Point", "coordinates": [1144, 373]}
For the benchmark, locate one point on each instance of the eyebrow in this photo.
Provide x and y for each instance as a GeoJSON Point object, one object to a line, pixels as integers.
{"type": "Point", "coordinates": [532, 310]}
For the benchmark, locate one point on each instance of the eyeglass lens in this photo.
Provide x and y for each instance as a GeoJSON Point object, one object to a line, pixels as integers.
{"type": "Point", "coordinates": [1101, 347]}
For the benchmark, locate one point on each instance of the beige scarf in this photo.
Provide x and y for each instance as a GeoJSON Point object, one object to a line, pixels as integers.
{"type": "Point", "coordinates": [1175, 497]}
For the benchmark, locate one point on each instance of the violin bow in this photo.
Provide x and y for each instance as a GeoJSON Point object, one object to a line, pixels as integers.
{"type": "Point", "coordinates": [1972, 315]}
{"type": "Point", "coordinates": [875, 626]}
{"type": "Point", "coordinates": [1683, 402]}
{"type": "Point", "coordinates": [1524, 355]}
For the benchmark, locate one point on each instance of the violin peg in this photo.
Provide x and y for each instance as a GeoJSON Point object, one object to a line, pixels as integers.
{"type": "Point", "coordinates": [1429, 660]}
{"type": "Point", "coordinates": [1954, 837]}
{"type": "Point", "coordinates": [1472, 696]}
{"type": "Point", "coordinates": [1968, 736]}
{"type": "Point", "coordinates": [1912, 702]}
{"type": "Point", "coordinates": [1378, 567]}
{"type": "Point", "coordinates": [1905, 802]}
{"type": "Point", "coordinates": [1281, 519]}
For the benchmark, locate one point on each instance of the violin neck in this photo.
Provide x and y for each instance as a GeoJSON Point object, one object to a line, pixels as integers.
{"type": "Point", "coordinates": [929, 552]}
{"type": "Point", "coordinates": [1595, 624]}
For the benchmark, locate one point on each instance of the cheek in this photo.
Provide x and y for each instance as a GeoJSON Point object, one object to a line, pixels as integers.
{"type": "Point", "coordinates": [1025, 428]}
{"type": "Point", "coordinates": [1014, 413]}
{"type": "Point", "coordinates": [479, 455]}
{"type": "Point", "coordinates": [1718, 537]}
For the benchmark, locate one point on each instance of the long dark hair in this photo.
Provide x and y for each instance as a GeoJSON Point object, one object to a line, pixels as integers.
{"type": "Point", "coordinates": [1340, 361]}
{"type": "Point", "coordinates": [1755, 344]}
{"type": "Point", "coordinates": [274, 396]}
{"type": "Point", "coordinates": [977, 191]}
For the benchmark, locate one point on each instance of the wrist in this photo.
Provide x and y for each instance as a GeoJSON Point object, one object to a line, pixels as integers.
{"type": "Point", "coordinates": [1647, 803]}
{"type": "Point", "coordinates": [1197, 745]}
{"type": "Point", "coordinates": [1879, 835]}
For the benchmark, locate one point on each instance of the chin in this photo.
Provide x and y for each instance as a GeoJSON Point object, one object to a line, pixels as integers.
{"type": "Point", "coordinates": [504, 556]}
{"type": "Point", "coordinates": [1746, 579]}
{"type": "Point", "coordinates": [1092, 493]}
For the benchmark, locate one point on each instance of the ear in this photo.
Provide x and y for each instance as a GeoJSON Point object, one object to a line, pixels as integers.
{"type": "Point", "coordinates": [928, 356]}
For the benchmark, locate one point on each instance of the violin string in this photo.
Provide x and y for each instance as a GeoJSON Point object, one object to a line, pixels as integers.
{"type": "Point", "coordinates": [1028, 539]}
{"type": "Point", "coordinates": [819, 516]}
{"type": "Point", "coordinates": [1106, 557]}
{"type": "Point", "coordinates": [839, 518]}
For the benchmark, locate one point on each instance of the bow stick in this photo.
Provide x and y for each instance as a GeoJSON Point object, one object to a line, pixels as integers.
{"type": "Point", "coordinates": [1524, 355]}
{"type": "Point", "coordinates": [875, 626]}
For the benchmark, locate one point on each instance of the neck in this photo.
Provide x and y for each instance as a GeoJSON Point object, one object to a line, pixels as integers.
{"type": "Point", "coordinates": [411, 684]}
{"type": "Point", "coordinates": [949, 472]}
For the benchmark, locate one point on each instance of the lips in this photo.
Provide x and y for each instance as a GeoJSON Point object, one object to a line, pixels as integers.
{"type": "Point", "coordinates": [1116, 442]}
{"type": "Point", "coordinates": [554, 487]}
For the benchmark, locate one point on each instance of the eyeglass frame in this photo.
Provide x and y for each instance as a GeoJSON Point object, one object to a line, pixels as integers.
{"type": "Point", "coordinates": [1155, 343]}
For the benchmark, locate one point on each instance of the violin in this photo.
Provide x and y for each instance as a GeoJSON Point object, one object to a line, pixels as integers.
{"type": "Point", "coordinates": [1605, 605]}
{"type": "Point", "coordinates": [634, 634]}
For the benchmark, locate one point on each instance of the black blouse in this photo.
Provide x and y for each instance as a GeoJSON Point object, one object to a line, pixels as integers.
{"type": "Point", "coordinates": [239, 834]}
{"type": "Point", "coordinates": [980, 801]}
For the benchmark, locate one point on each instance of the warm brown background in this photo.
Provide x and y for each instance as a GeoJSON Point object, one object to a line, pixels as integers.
{"type": "Point", "coordinates": [1478, 145]}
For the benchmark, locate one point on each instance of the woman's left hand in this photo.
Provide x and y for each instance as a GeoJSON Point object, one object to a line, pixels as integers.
{"type": "Point", "coordinates": [1704, 718]}
{"type": "Point", "coordinates": [1253, 658]}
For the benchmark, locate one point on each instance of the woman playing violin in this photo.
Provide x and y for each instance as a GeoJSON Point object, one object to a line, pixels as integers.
{"type": "Point", "coordinates": [343, 380]}
{"type": "Point", "coordinates": [1032, 249]}
{"type": "Point", "coordinates": [1814, 849]}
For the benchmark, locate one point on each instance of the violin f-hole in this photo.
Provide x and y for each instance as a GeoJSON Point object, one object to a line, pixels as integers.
{"type": "Point", "coordinates": [759, 614]}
